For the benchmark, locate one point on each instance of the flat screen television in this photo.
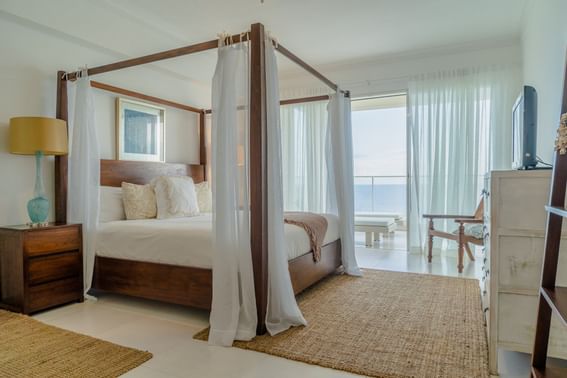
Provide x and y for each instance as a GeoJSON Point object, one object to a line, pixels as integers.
{"type": "Point", "coordinates": [524, 129]}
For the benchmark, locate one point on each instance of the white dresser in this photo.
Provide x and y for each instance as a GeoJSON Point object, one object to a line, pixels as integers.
{"type": "Point", "coordinates": [515, 222]}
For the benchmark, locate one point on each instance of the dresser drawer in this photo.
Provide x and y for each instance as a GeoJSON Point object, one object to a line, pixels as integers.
{"type": "Point", "coordinates": [54, 267]}
{"type": "Point", "coordinates": [517, 318]}
{"type": "Point", "coordinates": [54, 293]}
{"type": "Point", "coordinates": [42, 242]}
{"type": "Point", "coordinates": [520, 262]}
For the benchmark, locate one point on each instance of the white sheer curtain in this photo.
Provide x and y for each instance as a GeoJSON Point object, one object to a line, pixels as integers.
{"type": "Point", "coordinates": [282, 312]}
{"type": "Point", "coordinates": [84, 173]}
{"type": "Point", "coordinates": [341, 177]}
{"type": "Point", "coordinates": [460, 128]}
{"type": "Point", "coordinates": [233, 313]}
{"type": "Point", "coordinates": [304, 129]}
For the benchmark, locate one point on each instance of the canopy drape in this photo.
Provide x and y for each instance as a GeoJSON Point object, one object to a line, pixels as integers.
{"type": "Point", "coordinates": [233, 312]}
{"type": "Point", "coordinates": [283, 311]}
{"type": "Point", "coordinates": [340, 193]}
{"type": "Point", "coordinates": [304, 131]}
{"type": "Point", "coordinates": [460, 128]}
{"type": "Point", "coordinates": [84, 173]}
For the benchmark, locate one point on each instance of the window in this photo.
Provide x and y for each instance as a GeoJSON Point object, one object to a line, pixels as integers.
{"type": "Point", "coordinates": [380, 155]}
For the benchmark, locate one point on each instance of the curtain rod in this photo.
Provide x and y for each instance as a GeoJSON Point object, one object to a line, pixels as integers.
{"type": "Point", "coordinates": [294, 58]}
{"type": "Point", "coordinates": [141, 96]}
{"type": "Point", "coordinates": [168, 54]}
{"type": "Point", "coordinates": [199, 47]}
{"type": "Point", "coordinates": [294, 101]}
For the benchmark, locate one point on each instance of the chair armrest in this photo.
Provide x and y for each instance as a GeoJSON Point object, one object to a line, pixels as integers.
{"type": "Point", "coordinates": [442, 216]}
{"type": "Point", "coordinates": [468, 220]}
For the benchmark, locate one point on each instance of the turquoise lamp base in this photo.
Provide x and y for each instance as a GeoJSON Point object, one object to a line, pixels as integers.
{"type": "Point", "coordinates": [38, 207]}
{"type": "Point", "coordinates": [38, 210]}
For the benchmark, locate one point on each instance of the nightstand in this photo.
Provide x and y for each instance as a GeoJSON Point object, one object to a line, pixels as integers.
{"type": "Point", "coordinates": [40, 267]}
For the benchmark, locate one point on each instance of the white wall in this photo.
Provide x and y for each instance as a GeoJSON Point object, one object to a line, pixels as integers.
{"type": "Point", "coordinates": [29, 59]}
{"type": "Point", "coordinates": [544, 43]}
{"type": "Point", "coordinates": [181, 136]}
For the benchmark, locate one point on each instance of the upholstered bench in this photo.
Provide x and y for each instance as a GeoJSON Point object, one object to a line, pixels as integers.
{"type": "Point", "coordinates": [399, 219]}
{"type": "Point", "coordinates": [373, 227]}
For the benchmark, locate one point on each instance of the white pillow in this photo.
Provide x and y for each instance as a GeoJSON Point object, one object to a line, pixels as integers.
{"type": "Point", "coordinates": [175, 197]}
{"type": "Point", "coordinates": [204, 197]}
{"type": "Point", "coordinates": [160, 188]}
{"type": "Point", "coordinates": [182, 196]}
{"type": "Point", "coordinates": [111, 206]}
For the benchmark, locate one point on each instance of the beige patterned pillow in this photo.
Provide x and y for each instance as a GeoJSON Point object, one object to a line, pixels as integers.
{"type": "Point", "coordinates": [139, 201]}
{"type": "Point", "coordinates": [204, 197]}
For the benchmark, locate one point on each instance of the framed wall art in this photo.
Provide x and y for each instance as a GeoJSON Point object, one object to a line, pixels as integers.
{"type": "Point", "coordinates": [140, 131]}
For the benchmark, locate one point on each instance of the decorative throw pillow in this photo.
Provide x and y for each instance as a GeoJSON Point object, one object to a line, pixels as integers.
{"type": "Point", "coordinates": [182, 196]}
{"type": "Point", "coordinates": [204, 197]}
{"type": "Point", "coordinates": [111, 206]}
{"type": "Point", "coordinates": [139, 201]}
{"type": "Point", "coordinates": [175, 197]}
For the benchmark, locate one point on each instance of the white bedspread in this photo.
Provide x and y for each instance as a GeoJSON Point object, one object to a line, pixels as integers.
{"type": "Point", "coordinates": [183, 241]}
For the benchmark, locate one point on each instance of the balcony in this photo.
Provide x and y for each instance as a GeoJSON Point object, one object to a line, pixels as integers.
{"type": "Point", "coordinates": [380, 194]}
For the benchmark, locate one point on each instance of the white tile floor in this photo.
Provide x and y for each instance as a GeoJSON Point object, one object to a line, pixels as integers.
{"type": "Point", "coordinates": [166, 330]}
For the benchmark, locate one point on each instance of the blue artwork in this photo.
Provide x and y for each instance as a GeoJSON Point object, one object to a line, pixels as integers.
{"type": "Point", "coordinates": [140, 132]}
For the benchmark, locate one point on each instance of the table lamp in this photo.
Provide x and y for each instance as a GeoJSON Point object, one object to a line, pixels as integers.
{"type": "Point", "coordinates": [38, 136]}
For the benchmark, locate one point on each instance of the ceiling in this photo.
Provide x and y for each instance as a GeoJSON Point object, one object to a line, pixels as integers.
{"type": "Point", "coordinates": [322, 32]}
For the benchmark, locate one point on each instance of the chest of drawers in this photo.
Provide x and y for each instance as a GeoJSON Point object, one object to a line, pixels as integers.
{"type": "Point", "coordinates": [515, 221]}
{"type": "Point", "coordinates": [40, 267]}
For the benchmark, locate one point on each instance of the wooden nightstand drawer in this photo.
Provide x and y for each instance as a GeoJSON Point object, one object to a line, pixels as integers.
{"type": "Point", "coordinates": [54, 267]}
{"type": "Point", "coordinates": [40, 242]}
{"type": "Point", "coordinates": [54, 293]}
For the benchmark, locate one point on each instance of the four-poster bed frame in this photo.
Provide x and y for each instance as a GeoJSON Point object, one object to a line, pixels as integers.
{"type": "Point", "coordinates": [185, 285]}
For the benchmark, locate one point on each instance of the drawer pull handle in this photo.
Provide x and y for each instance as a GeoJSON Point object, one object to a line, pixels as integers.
{"type": "Point", "coordinates": [485, 310]}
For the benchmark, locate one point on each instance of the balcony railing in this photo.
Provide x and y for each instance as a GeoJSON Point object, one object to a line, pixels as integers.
{"type": "Point", "coordinates": [382, 194]}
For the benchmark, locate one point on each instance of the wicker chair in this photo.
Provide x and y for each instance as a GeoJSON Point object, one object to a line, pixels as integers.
{"type": "Point", "coordinates": [470, 231]}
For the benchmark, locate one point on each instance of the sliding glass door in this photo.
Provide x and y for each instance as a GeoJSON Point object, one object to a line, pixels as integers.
{"type": "Point", "coordinates": [379, 127]}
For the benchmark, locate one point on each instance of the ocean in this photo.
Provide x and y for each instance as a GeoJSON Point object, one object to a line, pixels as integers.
{"type": "Point", "coordinates": [390, 198]}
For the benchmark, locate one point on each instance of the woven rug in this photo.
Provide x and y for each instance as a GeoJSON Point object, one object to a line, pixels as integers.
{"type": "Point", "coordinates": [29, 348]}
{"type": "Point", "coordinates": [387, 324]}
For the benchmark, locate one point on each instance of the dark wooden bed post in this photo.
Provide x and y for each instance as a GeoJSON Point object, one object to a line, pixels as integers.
{"type": "Point", "coordinates": [258, 176]}
{"type": "Point", "coordinates": [202, 141]}
{"type": "Point", "coordinates": [61, 161]}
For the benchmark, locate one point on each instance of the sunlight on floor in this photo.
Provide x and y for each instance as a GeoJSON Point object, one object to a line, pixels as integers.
{"type": "Point", "coordinates": [390, 253]}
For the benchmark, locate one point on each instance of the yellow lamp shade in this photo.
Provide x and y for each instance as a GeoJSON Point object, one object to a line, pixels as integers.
{"type": "Point", "coordinates": [29, 135]}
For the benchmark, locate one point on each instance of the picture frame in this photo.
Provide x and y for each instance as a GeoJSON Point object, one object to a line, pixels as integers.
{"type": "Point", "coordinates": [140, 131]}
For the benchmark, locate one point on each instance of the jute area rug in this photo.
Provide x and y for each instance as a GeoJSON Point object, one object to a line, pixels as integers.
{"type": "Point", "coordinates": [29, 348]}
{"type": "Point", "coordinates": [387, 324]}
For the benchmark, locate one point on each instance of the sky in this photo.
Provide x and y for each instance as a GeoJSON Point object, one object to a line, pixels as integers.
{"type": "Point", "coordinates": [379, 138]}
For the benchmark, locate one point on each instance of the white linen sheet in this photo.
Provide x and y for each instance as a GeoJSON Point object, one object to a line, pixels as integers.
{"type": "Point", "coordinates": [184, 241]}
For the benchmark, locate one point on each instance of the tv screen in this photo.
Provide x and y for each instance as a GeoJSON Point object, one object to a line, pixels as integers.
{"type": "Point", "coordinates": [524, 132]}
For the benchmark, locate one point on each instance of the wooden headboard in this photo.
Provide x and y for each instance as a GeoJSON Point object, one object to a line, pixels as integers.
{"type": "Point", "coordinates": [114, 172]}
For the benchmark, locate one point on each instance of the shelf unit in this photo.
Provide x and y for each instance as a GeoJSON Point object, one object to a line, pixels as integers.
{"type": "Point", "coordinates": [552, 298]}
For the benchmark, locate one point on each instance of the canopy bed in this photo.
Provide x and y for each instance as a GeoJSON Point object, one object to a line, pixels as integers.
{"type": "Point", "coordinates": [260, 187]}
{"type": "Point", "coordinates": [171, 280]}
